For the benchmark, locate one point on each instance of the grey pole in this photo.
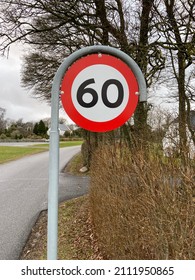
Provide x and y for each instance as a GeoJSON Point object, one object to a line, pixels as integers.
{"type": "Point", "coordinates": [52, 234]}
{"type": "Point", "coordinates": [53, 176]}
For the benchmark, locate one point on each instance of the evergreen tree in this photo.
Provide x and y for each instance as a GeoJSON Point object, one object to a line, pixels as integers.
{"type": "Point", "coordinates": [36, 129]}
{"type": "Point", "coordinates": [42, 129]}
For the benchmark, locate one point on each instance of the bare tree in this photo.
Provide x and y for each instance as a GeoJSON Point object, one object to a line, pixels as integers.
{"type": "Point", "coordinates": [142, 56]}
{"type": "Point", "coordinates": [176, 25]}
{"type": "Point", "coordinates": [52, 29]}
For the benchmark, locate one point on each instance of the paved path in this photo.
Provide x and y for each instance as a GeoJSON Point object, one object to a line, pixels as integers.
{"type": "Point", "coordinates": [21, 144]}
{"type": "Point", "coordinates": [23, 194]}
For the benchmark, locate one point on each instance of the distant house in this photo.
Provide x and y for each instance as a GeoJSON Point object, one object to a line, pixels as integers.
{"type": "Point", "coordinates": [62, 129]}
{"type": "Point", "coordinates": [171, 140]}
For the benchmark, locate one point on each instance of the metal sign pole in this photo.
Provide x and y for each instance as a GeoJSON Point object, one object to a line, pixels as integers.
{"type": "Point", "coordinates": [52, 234]}
{"type": "Point", "coordinates": [53, 177]}
{"type": "Point", "coordinates": [52, 227]}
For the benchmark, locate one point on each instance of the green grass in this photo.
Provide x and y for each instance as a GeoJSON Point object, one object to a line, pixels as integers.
{"type": "Point", "coordinates": [12, 153]}
{"type": "Point", "coordinates": [62, 144]}
{"type": "Point", "coordinates": [8, 153]}
{"type": "Point", "coordinates": [75, 165]}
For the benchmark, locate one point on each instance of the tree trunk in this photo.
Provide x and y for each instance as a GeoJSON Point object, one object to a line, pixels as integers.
{"type": "Point", "coordinates": [182, 105]}
{"type": "Point", "coordinates": [140, 116]}
{"type": "Point", "coordinates": [180, 78]}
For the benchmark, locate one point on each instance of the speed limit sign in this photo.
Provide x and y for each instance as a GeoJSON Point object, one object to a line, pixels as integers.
{"type": "Point", "coordinates": [100, 85]}
{"type": "Point", "coordinates": [100, 92]}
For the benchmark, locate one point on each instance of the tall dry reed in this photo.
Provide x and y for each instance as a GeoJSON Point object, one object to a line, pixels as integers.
{"type": "Point", "coordinates": [142, 205]}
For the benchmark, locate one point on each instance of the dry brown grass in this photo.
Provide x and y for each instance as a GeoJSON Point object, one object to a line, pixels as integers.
{"type": "Point", "coordinates": [75, 236]}
{"type": "Point", "coordinates": [142, 205]}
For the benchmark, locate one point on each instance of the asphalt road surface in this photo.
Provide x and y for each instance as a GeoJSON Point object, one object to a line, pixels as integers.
{"type": "Point", "coordinates": [24, 194]}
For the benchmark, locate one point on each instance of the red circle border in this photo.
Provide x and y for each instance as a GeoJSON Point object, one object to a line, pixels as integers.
{"type": "Point", "coordinates": [80, 65]}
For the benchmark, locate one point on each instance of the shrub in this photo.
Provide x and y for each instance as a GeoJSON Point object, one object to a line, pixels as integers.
{"type": "Point", "coordinates": [141, 205]}
{"type": "Point", "coordinates": [3, 136]}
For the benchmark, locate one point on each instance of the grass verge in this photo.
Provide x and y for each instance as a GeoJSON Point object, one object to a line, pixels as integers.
{"type": "Point", "coordinates": [62, 144]}
{"type": "Point", "coordinates": [75, 165]}
{"type": "Point", "coordinates": [13, 153]}
{"type": "Point", "coordinates": [8, 153]}
{"type": "Point", "coordinates": [75, 238]}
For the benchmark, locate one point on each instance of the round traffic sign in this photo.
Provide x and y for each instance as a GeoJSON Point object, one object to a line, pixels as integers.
{"type": "Point", "coordinates": [100, 92]}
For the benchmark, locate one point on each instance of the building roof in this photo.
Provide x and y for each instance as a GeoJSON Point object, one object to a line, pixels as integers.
{"type": "Point", "coordinates": [64, 127]}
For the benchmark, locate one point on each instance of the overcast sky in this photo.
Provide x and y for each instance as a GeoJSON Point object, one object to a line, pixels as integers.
{"type": "Point", "coordinates": [17, 101]}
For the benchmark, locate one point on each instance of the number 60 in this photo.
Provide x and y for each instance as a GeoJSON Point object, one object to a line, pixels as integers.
{"type": "Point", "coordinates": [82, 90]}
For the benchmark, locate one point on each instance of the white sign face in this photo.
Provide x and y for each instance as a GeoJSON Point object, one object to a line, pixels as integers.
{"type": "Point", "coordinates": [100, 92]}
{"type": "Point", "coordinates": [98, 75]}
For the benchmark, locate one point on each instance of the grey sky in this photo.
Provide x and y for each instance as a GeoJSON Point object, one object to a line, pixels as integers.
{"type": "Point", "coordinates": [17, 101]}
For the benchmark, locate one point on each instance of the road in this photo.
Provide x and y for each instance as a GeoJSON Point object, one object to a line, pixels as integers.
{"type": "Point", "coordinates": [21, 144]}
{"type": "Point", "coordinates": [23, 195]}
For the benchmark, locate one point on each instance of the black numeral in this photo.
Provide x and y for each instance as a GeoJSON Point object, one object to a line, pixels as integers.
{"type": "Point", "coordinates": [84, 89]}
